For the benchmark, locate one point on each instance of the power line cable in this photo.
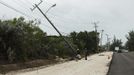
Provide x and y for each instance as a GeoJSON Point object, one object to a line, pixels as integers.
{"type": "Point", "coordinates": [21, 4]}
{"type": "Point", "coordinates": [16, 10]}
{"type": "Point", "coordinates": [65, 21]}
{"type": "Point", "coordinates": [3, 3]}
{"type": "Point", "coordinates": [29, 2]}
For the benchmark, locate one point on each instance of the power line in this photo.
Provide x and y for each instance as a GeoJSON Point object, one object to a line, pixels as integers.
{"type": "Point", "coordinates": [20, 4]}
{"type": "Point", "coordinates": [39, 16]}
{"type": "Point", "coordinates": [28, 15]}
{"type": "Point", "coordinates": [25, 3]}
{"type": "Point", "coordinates": [16, 10]}
{"type": "Point", "coordinates": [68, 19]}
{"type": "Point", "coordinates": [28, 2]}
{"type": "Point", "coordinates": [3, 3]}
{"type": "Point", "coordinates": [37, 13]}
{"type": "Point", "coordinates": [23, 6]}
{"type": "Point", "coordinates": [70, 22]}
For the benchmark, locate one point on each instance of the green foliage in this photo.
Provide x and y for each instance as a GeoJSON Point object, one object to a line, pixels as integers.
{"type": "Point", "coordinates": [57, 47]}
{"type": "Point", "coordinates": [130, 42]}
{"type": "Point", "coordinates": [116, 43]}
{"type": "Point", "coordinates": [22, 40]}
{"type": "Point", "coordinates": [85, 40]}
{"type": "Point", "coordinates": [11, 42]}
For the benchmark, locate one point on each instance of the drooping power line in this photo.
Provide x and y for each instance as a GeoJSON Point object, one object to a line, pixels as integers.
{"type": "Point", "coordinates": [3, 3]}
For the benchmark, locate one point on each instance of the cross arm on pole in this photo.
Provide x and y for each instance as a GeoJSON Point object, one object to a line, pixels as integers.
{"type": "Point", "coordinates": [34, 7]}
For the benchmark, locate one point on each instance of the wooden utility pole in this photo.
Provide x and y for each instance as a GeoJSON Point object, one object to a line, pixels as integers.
{"type": "Point", "coordinates": [70, 46]}
{"type": "Point", "coordinates": [101, 37]}
{"type": "Point", "coordinates": [96, 41]}
{"type": "Point", "coordinates": [108, 42]}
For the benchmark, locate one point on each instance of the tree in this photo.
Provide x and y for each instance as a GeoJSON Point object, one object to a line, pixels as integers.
{"type": "Point", "coordinates": [85, 40]}
{"type": "Point", "coordinates": [116, 43]}
{"type": "Point", "coordinates": [10, 44]}
{"type": "Point", "coordinates": [21, 40]}
{"type": "Point", "coordinates": [130, 42]}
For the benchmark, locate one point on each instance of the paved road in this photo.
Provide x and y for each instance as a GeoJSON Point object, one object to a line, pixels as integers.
{"type": "Point", "coordinates": [95, 65]}
{"type": "Point", "coordinates": [122, 64]}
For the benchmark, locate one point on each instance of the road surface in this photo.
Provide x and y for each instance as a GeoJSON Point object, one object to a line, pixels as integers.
{"type": "Point", "coordinates": [122, 64]}
{"type": "Point", "coordinates": [95, 65]}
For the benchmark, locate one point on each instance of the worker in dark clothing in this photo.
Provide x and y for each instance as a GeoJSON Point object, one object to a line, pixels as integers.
{"type": "Point", "coordinates": [86, 54]}
{"type": "Point", "coordinates": [78, 51]}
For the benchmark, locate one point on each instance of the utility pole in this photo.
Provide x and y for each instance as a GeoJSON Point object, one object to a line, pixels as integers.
{"type": "Point", "coordinates": [101, 37]}
{"type": "Point", "coordinates": [96, 41]}
{"type": "Point", "coordinates": [108, 41]}
{"type": "Point", "coordinates": [95, 25]}
{"type": "Point", "coordinates": [37, 6]}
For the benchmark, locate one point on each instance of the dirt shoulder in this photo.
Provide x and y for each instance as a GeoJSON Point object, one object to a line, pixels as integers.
{"type": "Point", "coordinates": [27, 66]}
{"type": "Point", "coordinates": [95, 65]}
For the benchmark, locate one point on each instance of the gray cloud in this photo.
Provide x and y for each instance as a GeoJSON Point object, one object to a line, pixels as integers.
{"type": "Point", "coordinates": [115, 16]}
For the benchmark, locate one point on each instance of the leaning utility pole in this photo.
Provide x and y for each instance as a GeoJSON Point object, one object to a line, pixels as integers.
{"type": "Point", "coordinates": [37, 6]}
{"type": "Point", "coordinates": [96, 41]}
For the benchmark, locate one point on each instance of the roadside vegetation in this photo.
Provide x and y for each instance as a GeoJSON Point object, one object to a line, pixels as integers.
{"type": "Point", "coordinates": [22, 41]}
{"type": "Point", "coordinates": [116, 43]}
{"type": "Point", "coordinates": [129, 45]}
{"type": "Point", "coordinates": [130, 42]}
{"type": "Point", "coordinates": [24, 45]}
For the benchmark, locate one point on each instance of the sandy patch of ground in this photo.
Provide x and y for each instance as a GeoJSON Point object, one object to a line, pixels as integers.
{"type": "Point", "coordinates": [95, 65]}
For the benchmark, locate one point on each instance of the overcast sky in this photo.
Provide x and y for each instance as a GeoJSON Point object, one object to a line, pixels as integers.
{"type": "Point", "coordinates": [115, 16]}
